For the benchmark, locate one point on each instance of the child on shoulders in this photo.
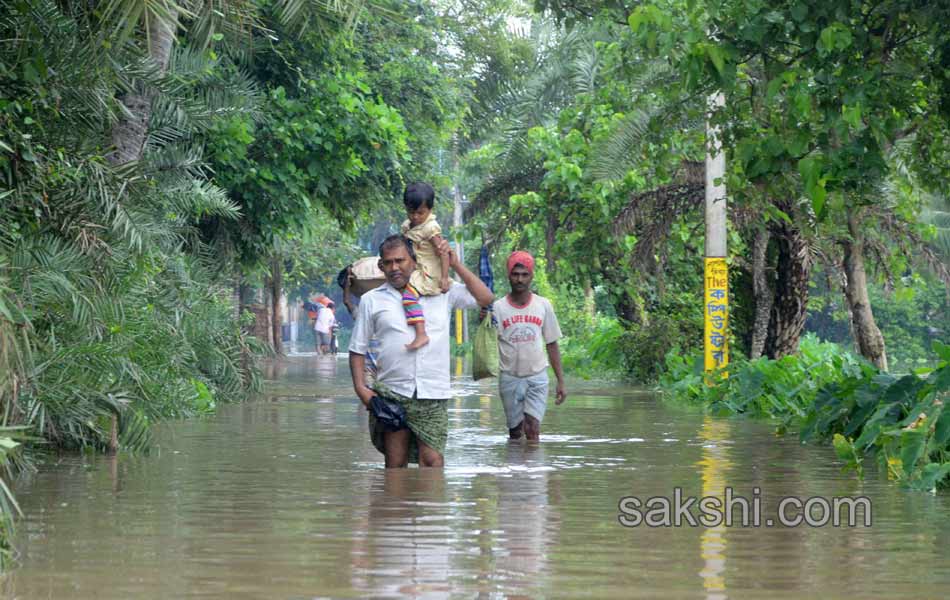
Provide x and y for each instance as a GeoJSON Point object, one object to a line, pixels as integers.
{"type": "Point", "coordinates": [431, 276]}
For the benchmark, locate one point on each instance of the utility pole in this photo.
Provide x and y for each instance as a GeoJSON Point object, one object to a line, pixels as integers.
{"type": "Point", "coordinates": [461, 317]}
{"type": "Point", "coordinates": [716, 272]}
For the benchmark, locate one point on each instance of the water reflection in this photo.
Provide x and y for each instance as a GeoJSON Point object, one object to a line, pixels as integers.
{"type": "Point", "coordinates": [402, 551]}
{"type": "Point", "coordinates": [714, 465]}
{"type": "Point", "coordinates": [484, 413]}
{"type": "Point", "coordinates": [326, 366]}
{"type": "Point", "coordinates": [526, 519]}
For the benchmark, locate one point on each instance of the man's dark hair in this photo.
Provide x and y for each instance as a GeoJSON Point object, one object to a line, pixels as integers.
{"type": "Point", "coordinates": [396, 240]}
{"type": "Point", "coordinates": [417, 194]}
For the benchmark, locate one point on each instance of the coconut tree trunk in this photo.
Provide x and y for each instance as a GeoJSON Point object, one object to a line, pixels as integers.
{"type": "Point", "coordinates": [129, 133]}
{"type": "Point", "coordinates": [237, 299]}
{"type": "Point", "coordinates": [276, 320]}
{"type": "Point", "coordinates": [789, 308]}
{"type": "Point", "coordinates": [114, 434]}
{"type": "Point", "coordinates": [867, 335]}
{"type": "Point", "coordinates": [762, 294]}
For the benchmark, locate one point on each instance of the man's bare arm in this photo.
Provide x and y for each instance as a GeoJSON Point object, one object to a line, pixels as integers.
{"type": "Point", "coordinates": [358, 373]}
{"type": "Point", "coordinates": [347, 297]}
{"type": "Point", "coordinates": [475, 286]}
{"type": "Point", "coordinates": [554, 357]}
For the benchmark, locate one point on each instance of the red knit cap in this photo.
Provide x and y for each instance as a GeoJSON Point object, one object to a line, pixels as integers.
{"type": "Point", "coordinates": [520, 257]}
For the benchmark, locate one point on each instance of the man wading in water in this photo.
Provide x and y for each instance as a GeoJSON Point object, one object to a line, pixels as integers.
{"type": "Point", "coordinates": [528, 332]}
{"type": "Point", "coordinates": [416, 380]}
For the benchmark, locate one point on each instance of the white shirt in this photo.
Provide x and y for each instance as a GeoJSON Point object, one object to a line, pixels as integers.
{"type": "Point", "coordinates": [325, 320]}
{"type": "Point", "coordinates": [424, 371]}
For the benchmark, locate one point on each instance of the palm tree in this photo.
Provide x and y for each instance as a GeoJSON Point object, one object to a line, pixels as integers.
{"type": "Point", "coordinates": [161, 22]}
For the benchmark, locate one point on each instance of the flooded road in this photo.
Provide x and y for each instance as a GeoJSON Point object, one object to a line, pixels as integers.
{"type": "Point", "coordinates": [285, 497]}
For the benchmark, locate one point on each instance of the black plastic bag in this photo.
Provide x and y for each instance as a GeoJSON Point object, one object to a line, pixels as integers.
{"type": "Point", "coordinates": [391, 414]}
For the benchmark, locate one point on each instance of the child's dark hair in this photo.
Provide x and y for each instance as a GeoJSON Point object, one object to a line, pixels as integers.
{"type": "Point", "coordinates": [417, 194]}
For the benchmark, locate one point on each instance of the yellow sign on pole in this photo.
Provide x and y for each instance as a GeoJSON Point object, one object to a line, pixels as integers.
{"type": "Point", "coordinates": [458, 326]}
{"type": "Point", "coordinates": [716, 310]}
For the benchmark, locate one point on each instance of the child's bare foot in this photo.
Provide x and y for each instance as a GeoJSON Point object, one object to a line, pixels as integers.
{"type": "Point", "coordinates": [420, 341]}
{"type": "Point", "coordinates": [445, 285]}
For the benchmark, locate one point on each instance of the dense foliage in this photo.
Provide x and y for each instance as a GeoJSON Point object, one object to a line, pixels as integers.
{"type": "Point", "coordinates": [827, 394]}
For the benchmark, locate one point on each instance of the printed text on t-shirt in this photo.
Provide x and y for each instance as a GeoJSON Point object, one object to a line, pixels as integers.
{"type": "Point", "coordinates": [521, 319]}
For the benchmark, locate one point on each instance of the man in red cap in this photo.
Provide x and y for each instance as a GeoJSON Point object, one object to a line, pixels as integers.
{"type": "Point", "coordinates": [528, 332]}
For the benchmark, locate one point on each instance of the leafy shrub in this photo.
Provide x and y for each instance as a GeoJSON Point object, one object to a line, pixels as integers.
{"type": "Point", "coordinates": [781, 389]}
{"type": "Point", "coordinates": [830, 394]}
{"type": "Point", "coordinates": [596, 354]}
{"type": "Point", "coordinates": [901, 420]}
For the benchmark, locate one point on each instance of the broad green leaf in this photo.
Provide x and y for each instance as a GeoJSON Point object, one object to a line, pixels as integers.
{"type": "Point", "coordinates": [638, 18]}
{"type": "Point", "coordinates": [843, 447]}
{"type": "Point", "coordinates": [717, 57]}
{"type": "Point", "coordinates": [930, 476]}
{"type": "Point", "coordinates": [852, 115]}
{"type": "Point", "coordinates": [774, 87]}
{"type": "Point", "coordinates": [826, 40]}
{"type": "Point", "coordinates": [799, 11]}
{"type": "Point", "coordinates": [941, 435]}
{"type": "Point", "coordinates": [913, 443]}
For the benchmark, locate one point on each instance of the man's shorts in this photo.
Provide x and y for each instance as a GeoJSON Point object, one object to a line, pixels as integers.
{"type": "Point", "coordinates": [323, 339]}
{"type": "Point", "coordinates": [522, 395]}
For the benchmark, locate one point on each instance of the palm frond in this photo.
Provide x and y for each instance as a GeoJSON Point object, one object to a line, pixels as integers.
{"type": "Point", "coordinates": [623, 150]}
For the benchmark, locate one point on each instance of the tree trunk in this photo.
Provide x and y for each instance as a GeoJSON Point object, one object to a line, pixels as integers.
{"type": "Point", "coordinates": [129, 133]}
{"type": "Point", "coordinates": [114, 435]}
{"type": "Point", "coordinates": [789, 308]}
{"type": "Point", "coordinates": [276, 320]}
{"type": "Point", "coordinates": [549, 238]}
{"type": "Point", "coordinates": [242, 290]}
{"type": "Point", "coordinates": [867, 335]}
{"type": "Point", "coordinates": [590, 306]}
{"type": "Point", "coordinates": [761, 293]}
{"type": "Point", "coordinates": [625, 299]}
{"type": "Point", "coordinates": [237, 298]}
{"type": "Point", "coordinates": [268, 312]}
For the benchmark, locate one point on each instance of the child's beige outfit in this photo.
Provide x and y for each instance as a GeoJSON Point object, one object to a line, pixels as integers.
{"type": "Point", "coordinates": [428, 264]}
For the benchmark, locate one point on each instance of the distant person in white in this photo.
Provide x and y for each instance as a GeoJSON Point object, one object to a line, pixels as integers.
{"type": "Point", "coordinates": [323, 328]}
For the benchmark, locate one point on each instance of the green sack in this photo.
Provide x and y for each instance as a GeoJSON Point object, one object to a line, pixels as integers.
{"type": "Point", "coordinates": [485, 349]}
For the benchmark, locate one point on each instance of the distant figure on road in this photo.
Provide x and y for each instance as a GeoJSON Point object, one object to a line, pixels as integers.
{"type": "Point", "coordinates": [323, 328]}
{"type": "Point", "coordinates": [528, 332]}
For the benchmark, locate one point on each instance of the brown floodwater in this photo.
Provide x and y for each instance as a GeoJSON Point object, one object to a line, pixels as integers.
{"type": "Point", "coordinates": [285, 497]}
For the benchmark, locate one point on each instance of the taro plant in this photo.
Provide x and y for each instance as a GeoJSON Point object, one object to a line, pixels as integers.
{"type": "Point", "coordinates": [902, 421]}
{"type": "Point", "coordinates": [830, 395]}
